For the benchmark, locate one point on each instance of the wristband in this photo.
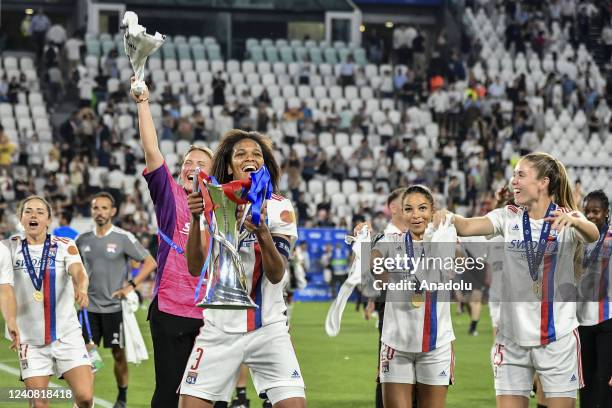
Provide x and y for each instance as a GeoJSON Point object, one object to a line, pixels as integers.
{"type": "Point", "coordinates": [131, 282]}
{"type": "Point", "coordinates": [142, 100]}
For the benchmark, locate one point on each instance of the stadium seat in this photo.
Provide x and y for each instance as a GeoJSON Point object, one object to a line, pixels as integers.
{"type": "Point", "coordinates": [170, 64]}
{"type": "Point", "coordinates": [342, 139]}
{"type": "Point", "coordinates": [167, 147]}
{"type": "Point", "coordinates": [183, 51]}
{"type": "Point", "coordinates": [331, 57]}
{"type": "Point", "coordinates": [286, 54]}
{"type": "Point", "coordinates": [186, 65]}
{"type": "Point", "coordinates": [271, 54]}
{"type": "Point", "coordinates": [214, 52]}
{"type": "Point", "coordinates": [93, 47]}
{"type": "Point", "coordinates": [300, 53]}
{"type": "Point", "coordinates": [359, 55]}
{"type": "Point", "coordinates": [279, 68]}
{"type": "Point", "coordinates": [197, 51]}
{"type": "Point", "coordinates": [8, 122]}
{"type": "Point", "coordinates": [217, 65]}
{"type": "Point", "coordinates": [36, 99]}
{"type": "Point", "coordinates": [252, 78]}
{"type": "Point", "coordinates": [268, 79]}
{"type": "Point", "coordinates": [264, 67]}
{"type": "Point", "coordinates": [232, 66]}
{"type": "Point", "coordinates": [332, 187]}
{"type": "Point", "coordinates": [209, 40]}
{"type": "Point", "coordinates": [22, 111]}
{"type": "Point", "coordinates": [315, 55]}
{"type": "Point", "coordinates": [315, 186]}
{"type": "Point", "coordinates": [325, 139]}
{"type": "Point", "coordinates": [194, 39]}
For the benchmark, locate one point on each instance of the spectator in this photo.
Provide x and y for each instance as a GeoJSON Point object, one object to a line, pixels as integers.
{"type": "Point", "coordinates": [56, 35]}
{"type": "Point", "coordinates": [65, 230]}
{"type": "Point", "coordinates": [73, 52]}
{"type": "Point", "coordinates": [304, 71]}
{"type": "Point", "coordinates": [86, 86]}
{"type": "Point", "coordinates": [7, 151]}
{"type": "Point", "coordinates": [386, 85]}
{"type": "Point", "coordinates": [38, 28]}
{"type": "Point", "coordinates": [347, 72]}
{"type": "Point", "coordinates": [218, 85]}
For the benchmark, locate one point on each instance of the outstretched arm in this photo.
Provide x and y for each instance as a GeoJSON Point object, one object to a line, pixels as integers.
{"type": "Point", "coordinates": [148, 134]}
{"type": "Point", "coordinates": [466, 227]}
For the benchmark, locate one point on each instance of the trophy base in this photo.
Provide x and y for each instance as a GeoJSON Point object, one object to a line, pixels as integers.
{"type": "Point", "coordinates": [226, 306]}
{"type": "Point", "coordinates": [227, 298]}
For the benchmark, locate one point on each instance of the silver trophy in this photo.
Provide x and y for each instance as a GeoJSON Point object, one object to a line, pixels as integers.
{"type": "Point", "coordinates": [138, 46]}
{"type": "Point", "coordinates": [226, 284]}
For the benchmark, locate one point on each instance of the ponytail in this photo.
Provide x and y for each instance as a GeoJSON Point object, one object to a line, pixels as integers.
{"type": "Point", "coordinates": [565, 197]}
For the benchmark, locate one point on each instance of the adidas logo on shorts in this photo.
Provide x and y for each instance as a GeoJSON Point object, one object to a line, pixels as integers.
{"type": "Point", "coordinates": [573, 378]}
{"type": "Point", "coordinates": [295, 374]}
{"type": "Point", "coordinates": [515, 227]}
{"type": "Point", "coordinates": [443, 374]}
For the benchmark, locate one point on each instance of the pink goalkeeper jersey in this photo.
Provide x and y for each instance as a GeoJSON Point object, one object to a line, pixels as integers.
{"type": "Point", "coordinates": [174, 286]}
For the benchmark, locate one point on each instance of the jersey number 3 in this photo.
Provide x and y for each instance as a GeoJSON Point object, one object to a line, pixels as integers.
{"type": "Point", "coordinates": [200, 353]}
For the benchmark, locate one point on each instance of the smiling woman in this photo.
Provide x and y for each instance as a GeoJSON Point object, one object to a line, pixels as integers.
{"type": "Point", "coordinates": [173, 316]}
{"type": "Point", "coordinates": [259, 337]}
{"type": "Point", "coordinates": [39, 285]}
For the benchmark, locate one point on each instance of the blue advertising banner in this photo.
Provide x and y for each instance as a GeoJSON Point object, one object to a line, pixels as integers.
{"type": "Point", "coordinates": [317, 239]}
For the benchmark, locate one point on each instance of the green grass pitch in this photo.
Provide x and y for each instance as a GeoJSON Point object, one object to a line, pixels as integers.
{"type": "Point", "coordinates": [339, 372]}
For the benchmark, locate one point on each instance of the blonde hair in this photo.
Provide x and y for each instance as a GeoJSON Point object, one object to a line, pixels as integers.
{"type": "Point", "coordinates": [26, 200]}
{"type": "Point", "coordinates": [200, 148]}
{"type": "Point", "coordinates": [558, 181]}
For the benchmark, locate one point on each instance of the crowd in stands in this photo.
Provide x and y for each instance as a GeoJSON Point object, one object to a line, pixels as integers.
{"type": "Point", "coordinates": [451, 115]}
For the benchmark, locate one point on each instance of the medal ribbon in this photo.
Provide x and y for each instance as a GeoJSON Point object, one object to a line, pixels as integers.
{"type": "Point", "coordinates": [534, 260]}
{"type": "Point", "coordinates": [588, 260]}
{"type": "Point", "coordinates": [36, 280]}
{"type": "Point", "coordinates": [410, 253]}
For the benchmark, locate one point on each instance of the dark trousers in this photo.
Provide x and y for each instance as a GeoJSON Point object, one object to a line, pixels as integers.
{"type": "Point", "coordinates": [380, 308]}
{"type": "Point", "coordinates": [595, 343]}
{"type": "Point", "coordinates": [173, 338]}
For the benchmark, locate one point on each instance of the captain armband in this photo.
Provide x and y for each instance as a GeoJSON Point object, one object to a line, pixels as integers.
{"type": "Point", "coordinates": [282, 245]}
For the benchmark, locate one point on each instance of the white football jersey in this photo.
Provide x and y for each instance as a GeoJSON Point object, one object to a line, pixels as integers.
{"type": "Point", "coordinates": [406, 327]}
{"type": "Point", "coordinates": [594, 285]}
{"type": "Point", "coordinates": [524, 318]}
{"type": "Point", "coordinates": [268, 296]}
{"type": "Point", "coordinates": [55, 317]}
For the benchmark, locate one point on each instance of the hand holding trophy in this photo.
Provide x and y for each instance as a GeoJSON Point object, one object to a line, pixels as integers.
{"type": "Point", "coordinates": [223, 270]}
{"type": "Point", "coordinates": [138, 46]}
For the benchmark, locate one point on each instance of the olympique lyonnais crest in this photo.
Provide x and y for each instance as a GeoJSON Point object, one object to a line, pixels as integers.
{"type": "Point", "coordinates": [111, 248]}
{"type": "Point", "coordinates": [192, 376]}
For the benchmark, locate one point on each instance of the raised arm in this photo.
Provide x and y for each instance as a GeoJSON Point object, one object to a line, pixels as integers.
{"type": "Point", "coordinates": [148, 134]}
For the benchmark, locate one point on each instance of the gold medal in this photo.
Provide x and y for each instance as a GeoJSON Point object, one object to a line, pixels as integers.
{"type": "Point", "coordinates": [417, 299]}
{"type": "Point", "coordinates": [38, 296]}
{"type": "Point", "coordinates": [537, 289]}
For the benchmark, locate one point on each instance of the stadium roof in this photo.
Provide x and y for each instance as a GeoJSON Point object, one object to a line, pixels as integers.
{"type": "Point", "coordinates": [273, 5]}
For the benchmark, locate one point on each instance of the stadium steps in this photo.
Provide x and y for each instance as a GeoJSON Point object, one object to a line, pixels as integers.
{"type": "Point", "coordinates": [595, 44]}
